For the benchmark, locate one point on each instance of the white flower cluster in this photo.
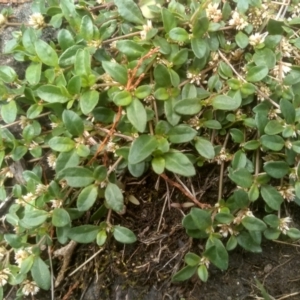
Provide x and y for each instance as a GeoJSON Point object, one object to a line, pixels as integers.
{"type": "Point", "coordinates": [238, 21]}
{"type": "Point", "coordinates": [36, 21]}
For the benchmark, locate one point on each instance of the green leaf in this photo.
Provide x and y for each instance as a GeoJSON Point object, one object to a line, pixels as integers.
{"type": "Point", "coordinates": [224, 102]}
{"type": "Point", "coordinates": [137, 115]}
{"type": "Point", "coordinates": [272, 233]}
{"type": "Point", "coordinates": [82, 64]}
{"type": "Point", "coordinates": [65, 39]}
{"type": "Point", "coordinates": [68, 57]}
{"type": "Point", "coordinates": [61, 144]}
{"type": "Point", "coordinates": [184, 274]}
{"type": "Point", "coordinates": [130, 48]}
{"type": "Point", "coordinates": [237, 135]}
{"type": "Point", "coordinates": [129, 11]}
{"type": "Point", "coordinates": [273, 127]}
{"type": "Point", "coordinates": [122, 98]}
{"type": "Point", "coordinates": [83, 234]}
{"type": "Point", "coordinates": [239, 160]}
{"type": "Point", "coordinates": [252, 223]}
{"type": "Point", "coordinates": [202, 273]}
{"type": "Point", "coordinates": [271, 196]}
{"type": "Point", "coordinates": [224, 218]}
{"type": "Point", "coordinates": [272, 142]}
{"type": "Point", "coordinates": [88, 101]}
{"type": "Point", "coordinates": [200, 27]}
{"type": "Point", "coordinates": [181, 134]}
{"type": "Point", "coordinates": [33, 73]}
{"type": "Point", "coordinates": [257, 73]}
{"type": "Point", "coordinates": [142, 91]}
{"type": "Point", "coordinates": [162, 76]}
{"type": "Point", "coordinates": [199, 47]}
{"type": "Point", "coordinates": [288, 111]}
{"type": "Point", "coordinates": [52, 94]}
{"type": "Point", "coordinates": [192, 259]}
{"type": "Point", "coordinates": [242, 40]}
{"type": "Point", "coordinates": [294, 233]}
{"type": "Point", "coordinates": [41, 274]}
{"type": "Point", "coordinates": [73, 122]}
{"type": "Point", "coordinates": [179, 34]}
{"type": "Point", "coordinates": [201, 218]}
{"type": "Point", "coordinates": [231, 243]}
{"type": "Point", "coordinates": [217, 254]}
{"type": "Point", "coordinates": [276, 169]}
{"type": "Point", "coordinates": [60, 217]}
{"type": "Point", "coordinates": [46, 53]}
{"type": "Point", "coordinates": [265, 57]}
{"type": "Point", "coordinates": [114, 197]}
{"type": "Point", "coordinates": [7, 74]}
{"type": "Point", "coordinates": [66, 160]}
{"type": "Point", "coordinates": [179, 163]}
{"type": "Point", "coordinates": [188, 106]}
{"type": "Point", "coordinates": [242, 177]}
{"type": "Point", "coordinates": [101, 238]}
{"type": "Point", "coordinates": [169, 20]}
{"type": "Point", "coordinates": [272, 220]}
{"type": "Point", "coordinates": [34, 218]}
{"type": "Point", "coordinates": [141, 148]}
{"type": "Point", "coordinates": [9, 111]}
{"type": "Point", "coordinates": [87, 28]}
{"type": "Point", "coordinates": [205, 148]}
{"type": "Point", "coordinates": [158, 165]}
{"type": "Point", "coordinates": [246, 241]}
{"type": "Point", "coordinates": [123, 235]}
{"type": "Point", "coordinates": [77, 176]}
{"type": "Point", "coordinates": [116, 71]}
{"type": "Point", "coordinates": [87, 198]}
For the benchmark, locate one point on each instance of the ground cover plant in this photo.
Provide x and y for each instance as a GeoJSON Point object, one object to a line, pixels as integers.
{"type": "Point", "coordinates": [167, 89]}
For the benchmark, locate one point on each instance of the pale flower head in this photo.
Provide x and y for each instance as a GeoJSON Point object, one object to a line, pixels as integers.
{"type": "Point", "coordinates": [30, 288]}
{"type": "Point", "coordinates": [21, 255]}
{"type": "Point", "coordinates": [238, 21]}
{"type": "Point", "coordinates": [51, 159]}
{"type": "Point", "coordinates": [287, 193]}
{"type": "Point", "coordinates": [205, 261]}
{"type": "Point", "coordinates": [2, 20]}
{"type": "Point", "coordinates": [3, 252]}
{"type": "Point", "coordinates": [257, 38]}
{"type": "Point", "coordinates": [4, 276]}
{"type": "Point", "coordinates": [213, 13]}
{"type": "Point", "coordinates": [37, 21]}
{"type": "Point", "coordinates": [283, 224]}
{"type": "Point", "coordinates": [56, 203]}
{"type": "Point", "coordinates": [145, 30]}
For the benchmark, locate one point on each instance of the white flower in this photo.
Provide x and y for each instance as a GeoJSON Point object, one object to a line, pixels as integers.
{"type": "Point", "coordinates": [41, 189]}
{"type": "Point", "coordinates": [2, 20]}
{"type": "Point", "coordinates": [145, 30]}
{"type": "Point", "coordinates": [287, 193]}
{"type": "Point", "coordinates": [36, 20]}
{"type": "Point", "coordinates": [3, 252]}
{"type": "Point", "coordinates": [283, 224]}
{"type": "Point", "coordinates": [21, 255]}
{"type": "Point", "coordinates": [51, 159]}
{"type": "Point", "coordinates": [286, 48]}
{"type": "Point", "coordinates": [4, 276]}
{"type": "Point", "coordinates": [30, 288]}
{"type": "Point", "coordinates": [194, 78]}
{"type": "Point", "coordinates": [111, 147]}
{"type": "Point", "coordinates": [241, 215]}
{"type": "Point", "coordinates": [23, 122]}
{"type": "Point", "coordinates": [279, 71]}
{"type": "Point", "coordinates": [257, 38]}
{"type": "Point", "coordinates": [213, 13]}
{"type": "Point", "coordinates": [238, 21]}
{"type": "Point", "coordinates": [56, 203]}
{"type": "Point", "coordinates": [205, 261]}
